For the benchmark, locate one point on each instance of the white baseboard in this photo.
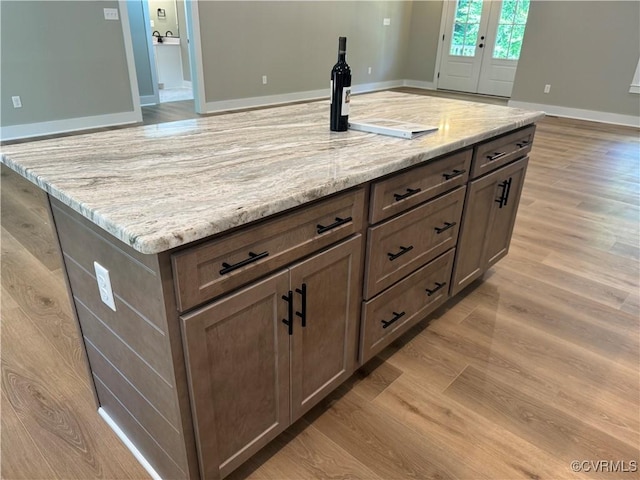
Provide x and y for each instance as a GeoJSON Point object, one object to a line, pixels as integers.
{"type": "Point", "coordinates": [28, 130]}
{"type": "Point", "coordinates": [420, 84]}
{"type": "Point", "coordinates": [580, 114]}
{"type": "Point", "coordinates": [148, 100]}
{"type": "Point", "coordinates": [239, 103]}
{"type": "Point", "coordinates": [267, 100]}
{"type": "Point", "coordinates": [375, 86]}
{"type": "Point", "coordinates": [129, 444]}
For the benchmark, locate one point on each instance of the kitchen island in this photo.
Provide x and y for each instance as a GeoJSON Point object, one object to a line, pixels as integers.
{"type": "Point", "coordinates": [257, 259]}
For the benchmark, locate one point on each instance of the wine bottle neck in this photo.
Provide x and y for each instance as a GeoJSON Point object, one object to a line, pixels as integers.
{"type": "Point", "coordinates": [342, 56]}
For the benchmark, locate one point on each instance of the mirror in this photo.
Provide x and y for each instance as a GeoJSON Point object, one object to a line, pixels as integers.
{"type": "Point", "coordinates": [164, 17]}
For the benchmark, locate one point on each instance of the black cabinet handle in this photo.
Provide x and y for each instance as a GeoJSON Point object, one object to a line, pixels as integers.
{"type": "Point", "coordinates": [447, 226]}
{"type": "Point", "coordinates": [396, 317]}
{"type": "Point", "coordinates": [303, 315]}
{"type": "Point", "coordinates": [289, 299]}
{"type": "Point", "coordinates": [496, 156]}
{"type": "Point", "coordinates": [506, 186]}
{"type": "Point", "coordinates": [403, 250]}
{"type": "Point", "coordinates": [434, 290]}
{"type": "Point", "coordinates": [410, 191]}
{"type": "Point", "coordinates": [507, 192]}
{"type": "Point", "coordinates": [253, 257]}
{"type": "Point", "coordinates": [339, 221]}
{"type": "Point", "coordinates": [500, 200]}
{"type": "Point", "coordinates": [522, 143]}
{"type": "Point", "coordinates": [455, 173]}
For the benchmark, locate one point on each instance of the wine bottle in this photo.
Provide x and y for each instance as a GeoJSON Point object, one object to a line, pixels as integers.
{"type": "Point", "coordinates": [340, 89]}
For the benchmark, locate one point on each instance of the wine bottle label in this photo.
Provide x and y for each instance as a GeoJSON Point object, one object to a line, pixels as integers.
{"type": "Point", "coordinates": [346, 100]}
{"type": "Point", "coordinates": [331, 90]}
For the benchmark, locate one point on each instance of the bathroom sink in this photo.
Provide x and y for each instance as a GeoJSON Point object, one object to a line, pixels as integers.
{"type": "Point", "coordinates": [167, 41]}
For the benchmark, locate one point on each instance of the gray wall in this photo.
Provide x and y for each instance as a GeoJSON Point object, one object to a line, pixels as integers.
{"type": "Point", "coordinates": [423, 40]}
{"type": "Point", "coordinates": [295, 44]}
{"type": "Point", "coordinates": [587, 51]}
{"type": "Point", "coordinates": [63, 59]}
{"type": "Point", "coordinates": [140, 47]}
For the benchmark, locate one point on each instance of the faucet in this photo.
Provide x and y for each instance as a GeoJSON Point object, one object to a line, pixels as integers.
{"type": "Point", "coordinates": [158, 36]}
{"type": "Point", "coordinates": [168, 33]}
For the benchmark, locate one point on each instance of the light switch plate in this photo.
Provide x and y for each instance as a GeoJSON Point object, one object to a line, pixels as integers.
{"type": "Point", "coordinates": [17, 103]}
{"type": "Point", "coordinates": [111, 14]}
{"type": "Point", "coordinates": [386, 22]}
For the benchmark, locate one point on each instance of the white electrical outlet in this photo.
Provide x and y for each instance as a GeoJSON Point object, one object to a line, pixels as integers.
{"type": "Point", "coordinates": [547, 88]}
{"type": "Point", "coordinates": [104, 286]}
{"type": "Point", "coordinates": [111, 14]}
{"type": "Point", "coordinates": [17, 103]}
{"type": "Point", "coordinates": [369, 70]}
{"type": "Point", "coordinates": [386, 22]}
{"type": "Point", "coordinates": [264, 79]}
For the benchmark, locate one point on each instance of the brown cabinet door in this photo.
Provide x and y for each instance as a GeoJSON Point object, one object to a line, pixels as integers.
{"type": "Point", "coordinates": [509, 188]}
{"type": "Point", "coordinates": [487, 224]}
{"type": "Point", "coordinates": [237, 352]}
{"type": "Point", "coordinates": [323, 346]}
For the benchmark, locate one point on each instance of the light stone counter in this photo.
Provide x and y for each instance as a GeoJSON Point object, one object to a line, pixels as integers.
{"type": "Point", "coordinates": [161, 186]}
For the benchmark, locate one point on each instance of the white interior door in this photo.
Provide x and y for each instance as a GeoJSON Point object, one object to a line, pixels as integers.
{"type": "Point", "coordinates": [482, 47]}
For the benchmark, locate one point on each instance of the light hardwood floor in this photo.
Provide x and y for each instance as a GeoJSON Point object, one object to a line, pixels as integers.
{"type": "Point", "coordinates": [535, 366]}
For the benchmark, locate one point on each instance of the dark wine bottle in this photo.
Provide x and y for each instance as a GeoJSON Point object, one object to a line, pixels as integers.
{"type": "Point", "coordinates": [340, 89]}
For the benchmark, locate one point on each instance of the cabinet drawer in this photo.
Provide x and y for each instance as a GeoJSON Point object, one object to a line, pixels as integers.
{"type": "Point", "coordinates": [401, 245]}
{"type": "Point", "coordinates": [408, 189]}
{"type": "Point", "coordinates": [218, 266]}
{"type": "Point", "coordinates": [491, 155]}
{"type": "Point", "coordinates": [393, 312]}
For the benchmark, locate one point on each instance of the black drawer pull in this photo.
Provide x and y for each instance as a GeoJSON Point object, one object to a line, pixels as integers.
{"type": "Point", "coordinates": [403, 250]}
{"type": "Point", "coordinates": [447, 226]}
{"type": "Point", "coordinates": [504, 196]}
{"type": "Point", "coordinates": [434, 290]}
{"type": "Point", "coordinates": [253, 257]}
{"type": "Point", "coordinates": [339, 221]}
{"type": "Point", "coordinates": [455, 173]}
{"type": "Point", "coordinates": [507, 191]}
{"type": "Point", "coordinates": [496, 156]}
{"type": "Point", "coordinates": [410, 191]}
{"type": "Point", "coordinates": [522, 143]}
{"type": "Point", "coordinates": [396, 317]}
{"type": "Point", "coordinates": [289, 299]}
{"type": "Point", "coordinates": [303, 315]}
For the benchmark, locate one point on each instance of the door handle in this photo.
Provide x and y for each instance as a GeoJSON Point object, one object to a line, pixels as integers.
{"type": "Point", "coordinates": [339, 221]}
{"type": "Point", "coordinates": [403, 250]}
{"type": "Point", "coordinates": [253, 257]}
{"type": "Point", "coordinates": [303, 293]}
{"type": "Point", "coordinates": [289, 299]}
{"type": "Point", "coordinates": [396, 317]}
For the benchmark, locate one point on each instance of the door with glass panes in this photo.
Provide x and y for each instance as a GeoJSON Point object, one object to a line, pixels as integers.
{"type": "Point", "coordinates": [481, 45]}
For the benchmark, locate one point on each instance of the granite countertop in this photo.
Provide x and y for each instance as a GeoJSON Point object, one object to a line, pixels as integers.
{"type": "Point", "coordinates": [161, 186]}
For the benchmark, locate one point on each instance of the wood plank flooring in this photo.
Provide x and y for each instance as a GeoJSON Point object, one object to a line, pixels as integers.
{"type": "Point", "coordinates": [533, 367]}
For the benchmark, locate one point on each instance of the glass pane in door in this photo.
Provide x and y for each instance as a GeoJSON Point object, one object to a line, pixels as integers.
{"type": "Point", "coordinates": [465, 28]}
{"type": "Point", "coordinates": [513, 19]}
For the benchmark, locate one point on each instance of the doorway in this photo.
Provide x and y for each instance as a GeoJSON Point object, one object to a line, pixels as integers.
{"type": "Point", "coordinates": [160, 50]}
{"type": "Point", "coordinates": [481, 45]}
{"type": "Point", "coordinates": [170, 47]}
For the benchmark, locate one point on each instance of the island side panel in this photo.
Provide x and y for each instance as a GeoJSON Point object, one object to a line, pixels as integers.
{"type": "Point", "coordinates": [130, 352]}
